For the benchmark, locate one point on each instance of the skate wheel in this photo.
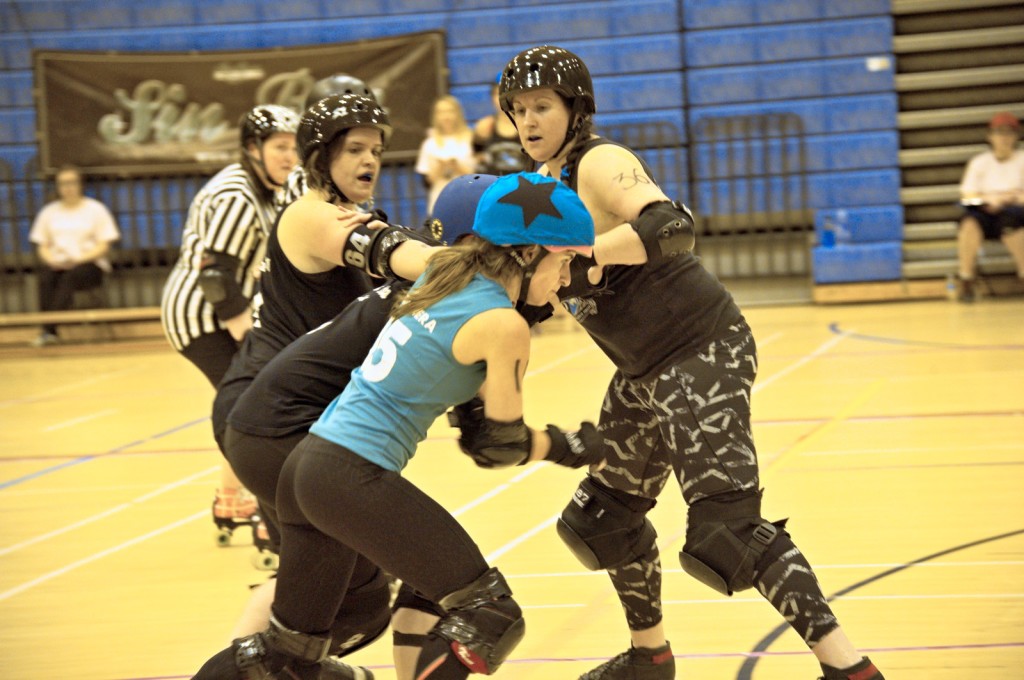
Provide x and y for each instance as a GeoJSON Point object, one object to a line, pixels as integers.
{"type": "Point", "coordinates": [223, 538]}
{"type": "Point", "coordinates": [264, 561]}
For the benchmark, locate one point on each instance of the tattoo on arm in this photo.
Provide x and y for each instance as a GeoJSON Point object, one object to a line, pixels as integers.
{"type": "Point", "coordinates": [637, 177]}
{"type": "Point", "coordinates": [518, 386]}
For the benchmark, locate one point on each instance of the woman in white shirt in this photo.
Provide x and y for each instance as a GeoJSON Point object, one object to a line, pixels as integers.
{"type": "Point", "coordinates": [72, 236]}
{"type": "Point", "coordinates": [447, 152]}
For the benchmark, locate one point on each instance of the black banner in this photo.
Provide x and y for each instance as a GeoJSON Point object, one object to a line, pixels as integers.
{"type": "Point", "coordinates": [121, 113]}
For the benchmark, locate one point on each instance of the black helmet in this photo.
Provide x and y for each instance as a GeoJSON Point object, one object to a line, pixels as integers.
{"type": "Point", "coordinates": [548, 66]}
{"type": "Point", "coordinates": [330, 117]}
{"type": "Point", "coordinates": [327, 120]}
{"type": "Point", "coordinates": [339, 83]}
{"type": "Point", "coordinates": [266, 119]}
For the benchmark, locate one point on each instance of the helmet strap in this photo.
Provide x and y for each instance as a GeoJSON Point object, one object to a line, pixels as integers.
{"type": "Point", "coordinates": [570, 135]}
{"type": "Point", "coordinates": [528, 271]}
{"type": "Point", "coordinates": [335, 192]}
{"type": "Point", "coordinates": [258, 162]}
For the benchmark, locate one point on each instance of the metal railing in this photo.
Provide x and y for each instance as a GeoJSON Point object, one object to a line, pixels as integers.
{"type": "Point", "coordinates": [744, 177]}
{"type": "Point", "coordinates": [750, 195]}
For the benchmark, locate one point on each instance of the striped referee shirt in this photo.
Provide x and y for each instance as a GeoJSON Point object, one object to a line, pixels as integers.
{"type": "Point", "coordinates": [227, 216]}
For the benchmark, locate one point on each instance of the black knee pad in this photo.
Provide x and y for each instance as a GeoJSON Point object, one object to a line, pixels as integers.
{"type": "Point", "coordinates": [363, 617]}
{"type": "Point", "coordinates": [727, 540]}
{"type": "Point", "coordinates": [483, 623]}
{"type": "Point", "coordinates": [605, 528]}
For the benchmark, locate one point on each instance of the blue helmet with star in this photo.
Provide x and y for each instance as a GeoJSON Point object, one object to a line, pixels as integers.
{"type": "Point", "coordinates": [530, 209]}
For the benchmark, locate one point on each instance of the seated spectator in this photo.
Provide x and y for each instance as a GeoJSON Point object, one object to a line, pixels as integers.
{"type": "Point", "coordinates": [447, 151]}
{"type": "Point", "coordinates": [496, 142]}
{"type": "Point", "coordinates": [72, 236]}
{"type": "Point", "coordinates": [992, 193]}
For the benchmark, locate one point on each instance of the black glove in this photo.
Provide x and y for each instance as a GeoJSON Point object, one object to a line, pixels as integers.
{"type": "Point", "coordinates": [468, 417]}
{"type": "Point", "coordinates": [575, 449]}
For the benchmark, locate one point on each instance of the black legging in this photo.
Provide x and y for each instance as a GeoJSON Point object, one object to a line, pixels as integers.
{"type": "Point", "coordinates": [257, 461]}
{"type": "Point", "coordinates": [212, 354]}
{"type": "Point", "coordinates": [57, 287]}
{"type": "Point", "coordinates": [334, 506]}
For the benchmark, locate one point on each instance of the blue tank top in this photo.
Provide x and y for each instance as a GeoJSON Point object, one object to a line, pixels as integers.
{"type": "Point", "coordinates": [408, 379]}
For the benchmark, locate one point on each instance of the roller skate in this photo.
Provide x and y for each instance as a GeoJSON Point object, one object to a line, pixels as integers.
{"type": "Point", "coordinates": [265, 558]}
{"type": "Point", "coordinates": [233, 508]}
{"type": "Point", "coordinates": [637, 663]}
{"type": "Point", "coordinates": [864, 670]}
{"type": "Point", "coordinates": [279, 653]}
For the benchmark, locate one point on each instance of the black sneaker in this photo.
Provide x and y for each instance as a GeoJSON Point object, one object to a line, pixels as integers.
{"type": "Point", "coordinates": [637, 663]}
{"type": "Point", "coordinates": [865, 670]}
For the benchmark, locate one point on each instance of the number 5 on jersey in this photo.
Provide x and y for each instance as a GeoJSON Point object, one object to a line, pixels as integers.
{"type": "Point", "coordinates": [384, 352]}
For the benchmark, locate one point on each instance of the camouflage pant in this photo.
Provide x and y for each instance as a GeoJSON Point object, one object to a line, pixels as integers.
{"type": "Point", "coordinates": [693, 421]}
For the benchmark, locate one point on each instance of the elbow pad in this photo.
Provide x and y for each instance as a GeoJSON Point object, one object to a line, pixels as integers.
{"type": "Point", "coordinates": [497, 445]}
{"type": "Point", "coordinates": [370, 249]}
{"type": "Point", "coordinates": [216, 280]}
{"type": "Point", "coordinates": [666, 230]}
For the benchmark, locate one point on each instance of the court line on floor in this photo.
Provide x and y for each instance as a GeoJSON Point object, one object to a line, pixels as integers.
{"type": "Point", "coordinates": [53, 391]}
{"type": "Point", "coordinates": [205, 513]}
{"type": "Point", "coordinates": [834, 327]}
{"type": "Point", "coordinates": [747, 669]}
{"type": "Point", "coordinates": [862, 397]}
{"type": "Point", "coordinates": [81, 419]}
{"type": "Point", "coordinates": [817, 567]}
{"type": "Point", "coordinates": [85, 459]}
{"type": "Point", "coordinates": [108, 512]}
{"type": "Point", "coordinates": [103, 553]}
{"type": "Point", "coordinates": [759, 601]}
{"type": "Point", "coordinates": [819, 351]}
{"type": "Point", "coordinates": [697, 656]}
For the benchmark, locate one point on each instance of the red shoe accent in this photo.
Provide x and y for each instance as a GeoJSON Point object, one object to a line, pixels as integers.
{"type": "Point", "coordinates": [865, 674]}
{"type": "Point", "coordinates": [662, 658]}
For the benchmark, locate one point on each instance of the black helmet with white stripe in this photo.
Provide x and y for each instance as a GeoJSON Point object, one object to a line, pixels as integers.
{"type": "Point", "coordinates": [265, 120]}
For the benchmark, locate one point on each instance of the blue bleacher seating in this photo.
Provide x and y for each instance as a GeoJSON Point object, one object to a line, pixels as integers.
{"type": "Point", "coordinates": [847, 263]}
{"type": "Point", "coordinates": [15, 88]}
{"type": "Point", "coordinates": [17, 126]}
{"type": "Point", "coordinates": [855, 113]}
{"type": "Point", "coordinates": [821, 153]}
{"type": "Point", "coordinates": [718, 13]}
{"type": "Point", "coordinates": [606, 56]}
{"type": "Point", "coordinates": [861, 225]}
{"type": "Point", "coordinates": [227, 12]}
{"type": "Point", "coordinates": [92, 14]}
{"type": "Point", "coordinates": [519, 25]}
{"type": "Point", "coordinates": [826, 190]}
{"type": "Point", "coordinates": [794, 80]}
{"type": "Point", "coordinates": [791, 42]}
{"type": "Point", "coordinates": [15, 52]}
{"type": "Point", "coordinates": [806, 57]}
{"type": "Point", "coordinates": [37, 15]}
{"type": "Point", "coordinates": [18, 156]}
{"type": "Point", "coordinates": [155, 13]}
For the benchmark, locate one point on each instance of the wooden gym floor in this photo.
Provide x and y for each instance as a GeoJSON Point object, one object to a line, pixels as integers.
{"type": "Point", "coordinates": [891, 435]}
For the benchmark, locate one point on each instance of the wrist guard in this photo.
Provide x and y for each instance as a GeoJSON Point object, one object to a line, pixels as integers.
{"type": "Point", "coordinates": [575, 449]}
{"type": "Point", "coordinates": [217, 282]}
{"type": "Point", "coordinates": [469, 418]}
{"type": "Point", "coordinates": [497, 445]}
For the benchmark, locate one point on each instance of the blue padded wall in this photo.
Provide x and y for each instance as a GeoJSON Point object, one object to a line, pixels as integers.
{"type": "Point", "coordinates": [653, 61]}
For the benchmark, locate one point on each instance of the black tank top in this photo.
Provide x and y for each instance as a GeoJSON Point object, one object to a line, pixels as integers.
{"type": "Point", "coordinates": [289, 303]}
{"type": "Point", "coordinates": [294, 388]}
{"type": "Point", "coordinates": [647, 317]}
